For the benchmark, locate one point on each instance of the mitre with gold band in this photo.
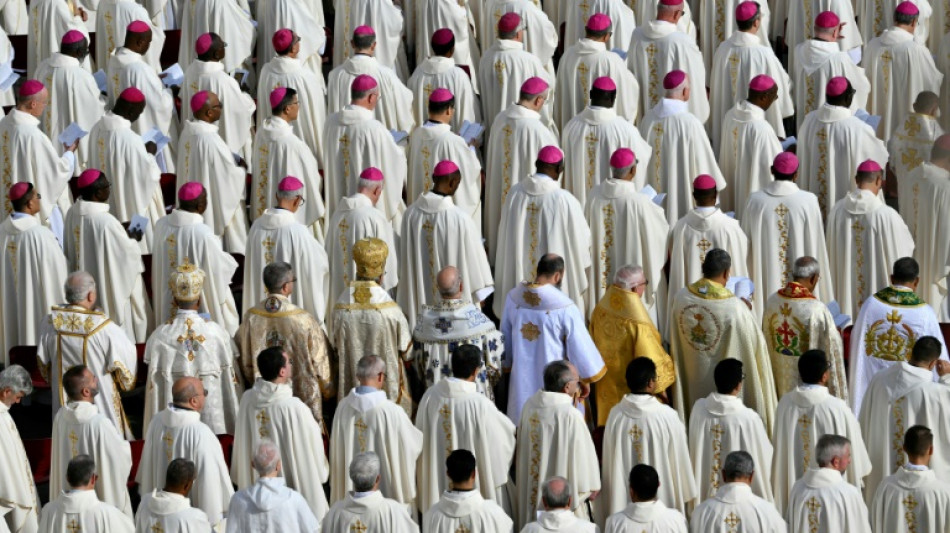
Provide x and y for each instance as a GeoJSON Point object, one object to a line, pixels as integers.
{"type": "Point", "coordinates": [186, 282]}
{"type": "Point", "coordinates": [370, 257]}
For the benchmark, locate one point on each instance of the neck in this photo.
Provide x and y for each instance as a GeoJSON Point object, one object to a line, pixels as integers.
{"type": "Point", "coordinates": [441, 191]}
{"type": "Point", "coordinates": [85, 305]}
{"type": "Point", "coordinates": [906, 27]}
{"type": "Point", "coordinates": [439, 119]}
{"type": "Point", "coordinates": [288, 205]}
{"type": "Point", "coordinates": [285, 116]}
{"type": "Point", "coordinates": [919, 461]}
{"type": "Point", "coordinates": [363, 104]}
{"type": "Point", "coordinates": [722, 280]}
{"type": "Point", "coordinates": [280, 380]}
{"type": "Point", "coordinates": [463, 487]}
{"type": "Point", "coordinates": [176, 490]}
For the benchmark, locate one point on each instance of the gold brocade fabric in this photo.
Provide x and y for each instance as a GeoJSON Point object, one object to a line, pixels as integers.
{"type": "Point", "coordinates": [622, 330]}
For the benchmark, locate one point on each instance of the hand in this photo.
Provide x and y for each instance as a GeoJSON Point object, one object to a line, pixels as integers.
{"type": "Point", "coordinates": [584, 390]}
{"type": "Point", "coordinates": [943, 367]}
{"type": "Point", "coordinates": [82, 14]}
{"type": "Point", "coordinates": [135, 234]}
{"type": "Point", "coordinates": [593, 495]}
{"type": "Point", "coordinates": [747, 302]}
{"type": "Point", "coordinates": [162, 75]}
{"type": "Point", "coordinates": [242, 163]}
{"type": "Point", "coordinates": [663, 397]}
{"type": "Point", "coordinates": [151, 147]}
{"type": "Point", "coordinates": [72, 147]}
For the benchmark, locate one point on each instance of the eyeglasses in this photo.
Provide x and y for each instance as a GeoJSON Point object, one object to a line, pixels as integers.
{"type": "Point", "coordinates": [645, 282]}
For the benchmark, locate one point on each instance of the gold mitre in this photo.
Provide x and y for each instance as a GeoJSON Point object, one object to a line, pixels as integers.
{"type": "Point", "coordinates": [186, 282]}
{"type": "Point", "coordinates": [370, 257]}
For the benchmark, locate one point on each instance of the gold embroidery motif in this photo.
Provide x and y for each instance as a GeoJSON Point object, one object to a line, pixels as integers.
{"type": "Point", "coordinates": [637, 435]}
{"type": "Point", "coordinates": [654, 76]}
{"type": "Point", "coordinates": [345, 150]}
{"type": "Point", "coordinates": [591, 156]}
{"type": "Point", "coordinates": [506, 167]}
{"type": "Point", "coordinates": [804, 422]}
{"type": "Point", "coordinates": [704, 247]}
{"type": "Point", "coordinates": [892, 344]}
{"type": "Point", "coordinates": [897, 443]}
{"type": "Point", "coordinates": [811, 90]}
{"type": "Point", "coordinates": [500, 72]}
{"type": "Point", "coordinates": [361, 428]}
{"type": "Point", "coordinates": [822, 176]}
{"type": "Point", "coordinates": [534, 469]}
{"type": "Point", "coordinates": [263, 420]}
{"type": "Point", "coordinates": [716, 467]}
{"type": "Point", "coordinates": [657, 132]}
{"type": "Point", "coordinates": [343, 228]}
{"type": "Point", "coordinates": [73, 526]}
{"type": "Point", "coordinates": [814, 521]}
{"type": "Point", "coordinates": [358, 527]}
{"type": "Point", "coordinates": [12, 250]}
{"type": "Point", "coordinates": [782, 213]}
{"type": "Point", "coordinates": [446, 413]}
{"type": "Point", "coordinates": [732, 521]}
{"type": "Point", "coordinates": [531, 298]}
{"type": "Point", "coordinates": [534, 220]}
{"type": "Point", "coordinates": [608, 211]}
{"type": "Point", "coordinates": [264, 180]}
{"type": "Point", "coordinates": [734, 72]}
{"type": "Point", "coordinates": [73, 440]}
{"type": "Point", "coordinates": [268, 245]}
{"type": "Point", "coordinates": [910, 512]}
{"type": "Point", "coordinates": [530, 331]}
{"type": "Point", "coordinates": [584, 71]}
{"type": "Point", "coordinates": [886, 59]}
{"type": "Point", "coordinates": [916, 191]}
{"type": "Point", "coordinates": [169, 443]}
{"type": "Point", "coordinates": [858, 230]}
{"type": "Point", "coordinates": [426, 168]}
{"type": "Point", "coordinates": [428, 228]}
{"type": "Point", "coordinates": [362, 295]}
{"type": "Point", "coordinates": [189, 339]}
{"type": "Point", "coordinates": [7, 170]}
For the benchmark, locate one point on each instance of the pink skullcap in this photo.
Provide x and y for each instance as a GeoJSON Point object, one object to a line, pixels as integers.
{"type": "Point", "coordinates": [190, 191]}
{"type": "Point", "coordinates": [598, 22]}
{"type": "Point", "coordinates": [371, 174]}
{"type": "Point", "coordinates": [827, 19]}
{"type": "Point", "coordinates": [444, 168]}
{"type": "Point", "coordinates": [363, 83]}
{"type": "Point", "coordinates": [72, 36]}
{"type": "Point", "coordinates": [203, 44]}
{"type": "Point", "coordinates": [282, 39]}
{"type": "Point", "coordinates": [622, 157]}
{"type": "Point", "coordinates": [88, 177]}
{"type": "Point", "coordinates": [762, 82]}
{"type": "Point", "coordinates": [18, 190]}
{"type": "Point", "coordinates": [31, 87]}
{"type": "Point", "coordinates": [132, 96]}
{"type": "Point", "coordinates": [277, 96]}
{"type": "Point", "coordinates": [704, 182]}
{"type": "Point", "coordinates": [551, 155]}
{"type": "Point", "coordinates": [785, 163]}
{"type": "Point", "coordinates": [198, 100]}
{"type": "Point", "coordinates": [364, 30]}
{"type": "Point", "coordinates": [671, 2]}
{"type": "Point", "coordinates": [836, 86]}
{"type": "Point", "coordinates": [674, 79]}
{"type": "Point", "coordinates": [138, 26]}
{"type": "Point", "coordinates": [534, 85]}
{"type": "Point", "coordinates": [442, 36]}
{"type": "Point", "coordinates": [509, 22]}
{"type": "Point", "coordinates": [290, 183]}
{"type": "Point", "coordinates": [869, 166]}
{"type": "Point", "coordinates": [907, 8]}
{"type": "Point", "coordinates": [441, 95]}
{"type": "Point", "coordinates": [604, 83]}
{"type": "Point", "coordinates": [746, 10]}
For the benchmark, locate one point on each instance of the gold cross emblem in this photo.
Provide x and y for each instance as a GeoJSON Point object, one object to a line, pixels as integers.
{"type": "Point", "coordinates": [361, 428]}
{"type": "Point", "coordinates": [704, 247]}
{"type": "Point", "coordinates": [262, 419]}
{"type": "Point", "coordinates": [73, 439]}
{"type": "Point", "coordinates": [189, 339]}
{"type": "Point", "coordinates": [358, 527]}
{"type": "Point", "coordinates": [73, 526]}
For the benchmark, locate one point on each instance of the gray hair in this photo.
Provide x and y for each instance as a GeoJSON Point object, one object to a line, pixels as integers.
{"type": "Point", "coordinates": [738, 464]}
{"type": "Point", "coordinates": [627, 276]}
{"type": "Point", "coordinates": [265, 457]}
{"type": "Point", "coordinates": [80, 470]}
{"type": "Point", "coordinates": [276, 275]}
{"type": "Point", "coordinates": [557, 374]}
{"type": "Point", "coordinates": [364, 470]}
{"type": "Point", "coordinates": [369, 366]}
{"type": "Point", "coordinates": [289, 195]}
{"type": "Point", "coordinates": [78, 285]}
{"type": "Point", "coordinates": [17, 379]}
{"type": "Point", "coordinates": [829, 447]}
{"type": "Point", "coordinates": [805, 267]}
{"type": "Point", "coordinates": [363, 184]}
{"type": "Point", "coordinates": [453, 284]}
{"type": "Point", "coordinates": [556, 493]}
{"type": "Point", "coordinates": [619, 173]}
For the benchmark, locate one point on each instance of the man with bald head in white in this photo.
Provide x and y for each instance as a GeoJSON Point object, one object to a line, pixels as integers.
{"type": "Point", "coordinates": [557, 499]}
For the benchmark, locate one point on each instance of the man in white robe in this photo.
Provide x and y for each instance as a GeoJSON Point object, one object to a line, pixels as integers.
{"type": "Point", "coordinates": [433, 15]}
{"type": "Point", "coordinates": [556, 442]}
{"type": "Point", "coordinates": [13, 18]}
{"type": "Point", "coordinates": [646, 512]}
{"type": "Point", "coordinates": [394, 108]}
{"type": "Point", "coordinates": [78, 508]}
{"type": "Point", "coordinates": [642, 430]}
{"type": "Point", "coordinates": [517, 135]}
{"type": "Point", "coordinates": [367, 421]}
{"type": "Point", "coordinates": [740, 58]}
{"type": "Point", "coordinates": [287, 69]}
{"type": "Point", "coordinates": [454, 415]}
{"type": "Point", "coordinates": [735, 503]}
{"type": "Point", "coordinates": [116, 150]}
{"type": "Point", "coordinates": [930, 191]}
{"type": "Point", "coordinates": [113, 18]}
{"type": "Point", "coordinates": [834, 143]}
{"type": "Point", "coordinates": [910, 148]}
{"type": "Point", "coordinates": [913, 498]}
{"type": "Point", "coordinates": [804, 414]}
{"type": "Point", "coordinates": [659, 46]}
{"type": "Point", "coordinates": [270, 412]}
{"type": "Point", "coordinates": [205, 158]}
{"type": "Point", "coordinates": [899, 69]}
{"type": "Point", "coordinates": [539, 218]}
{"type": "Point", "coordinates": [541, 40]}
{"type": "Point", "coordinates": [365, 508]}
{"type": "Point", "coordinates": [865, 237]}
{"type": "Point", "coordinates": [719, 424]}
{"type": "Point", "coordinates": [435, 234]}
{"type": "Point", "coordinates": [21, 507]}
{"type": "Point", "coordinates": [79, 428]}
{"type": "Point", "coordinates": [798, 30]}
{"type": "Point", "coordinates": [76, 333]}
{"type": "Point", "coordinates": [355, 141]}
{"type": "Point", "coordinates": [681, 148]}
{"type": "Point", "coordinates": [622, 22]}
{"type": "Point", "coordinates": [190, 345]}
{"type": "Point", "coordinates": [582, 64]}
{"type": "Point", "coordinates": [558, 516]}
{"type": "Point", "coordinates": [436, 141]}
{"type": "Point", "coordinates": [169, 508]}
{"type": "Point", "coordinates": [232, 21]}
{"type": "Point", "coordinates": [708, 323]}
{"type": "Point", "coordinates": [822, 498]}
{"type": "Point", "coordinates": [718, 16]}
{"type": "Point", "coordinates": [886, 328]}
{"type": "Point", "coordinates": [178, 431]}
{"type": "Point", "coordinates": [387, 18]}
{"type": "Point", "coordinates": [32, 274]}
{"type": "Point", "coordinates": [461, 504]}
{"type": "Point", "coordinates": [278, 152]}
{"type": "Point", "coordinates": [440, 70]}
{"type": "Point", "coordinates": [305, 19]}
{"type": "Point", "coordinates": [49, 20]}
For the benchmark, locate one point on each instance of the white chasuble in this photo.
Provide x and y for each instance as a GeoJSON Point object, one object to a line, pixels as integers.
{"type": "Point", "coordinates": [32, 273]}
{"type": "Point", "coordinates": [823, 501]}
{"type": "Point", "coordinates": [554, 441]}
{"type": "Point", "coordinates": [204, 157]}
{"type": "Point", "coordinates": [909, 150]}
{"type": "Point", "coordinates": [79, 428]}
{"type": "Point", "coordinates": [431, 15]}
{"type": "Point", "coordinates": [190, 346]}
{"type": "Point", "coordinates": [369, 512]}
{"type": "Point", "coordinates": [436, 72]}
{"type": "Point", "coordinates": [539, 217]}
{"type": "Point", "coordinates": [305, 19]}
{"type": "Point", "coordinates": [112, 20]}
{"type": "Point", "coordinates": [437, 234]}
{"type": "Point", "coordinates": [371, 423]}
{"type": "Point", "coordinates": [177, 432]}
{"type": "Point", "coordinates": [719, 425]}
{"type": "Point", "coordinates": [804, 414]}
{"type": "Point", "coordinates": [911, 499]}
{"type": "Point", "coordinates": [647, 517]}
{"type": "Point", "coordinates": [504, 67]}
{"type": "Point", "coordinates": [733, 508]}
{"type": "Point", "coordinates": [581, 64]}
{"type": "Point", "coordinates": [80, 510]}
{"type": "Point", "coordinates": [818, 62]}
{"type": "Point", "coordinates": [931, 192]}
{"type": "Point", "coordinates": [386, 19]}
{"type": "Point", "coordinates": [720, 19]}
{"type": "Point", "coordinates": [270, 505]}
{"type": "Point", "coordinates": [171, 512]}
{"type": "Point", "coordinates": [465, 511]}
{"type": "Point", "coordinates": [49, 20]}
{"type": "Point", "coordinates": [97, 243]}
{"type": "Point", "coordinates": [270, 411]}
{"type": "Point", "coordinates": [875, 17]}
{"type": "Point", "coordinates": [454, 415]}
{"type": "Point", "coordinates": [865, 238]}
{"type": "Point", "coordinates": [21, 504]}
{"type": "Point", "coordinates": [541, 40]}
{"type": "Point", "coordinates": [237, 113]}
{"type": "Point", "coordinates": [290, 72]}
{"type": "Point", "coordinates": [799, 28]}
{"type": "Point", "coordinates": [73, 336]}
{"type": "Point", "coordinates": [230, 20]}
{"type": "Point", "coordinates": [433, 142]}
{"type": "Point", "coordinates": [560, 521]}
{"type": "Point", "coordinates": [708, 324]}
{"type": "Point", "coordinates": [622, 21]}
{"type": "Point", "coordinates": [641, 430]}
{"type": "Point", "coordinates": [746, 152]}
{"type": "Point", "coordinates": [394, 108]}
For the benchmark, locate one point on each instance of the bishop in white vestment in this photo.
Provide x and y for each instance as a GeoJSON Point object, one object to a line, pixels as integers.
{"type": "Point", "coordinates": [816, 30]}
{"type": "Point", "coordinates": [909, 148]}
{"type": "Point", "coordinates": [623, 21]}
{"type": "Point", "coordinates": [717, 16]}
{"type": "Point", "coordinates": [78, 508]}
{"type": "Point", "coordinates": [433, 15]}
{"type": "Point", "coordinates": [734, 504]}
{"type": "Point", "coordinates": [646, 512]}
{"type": "Point", "coordinates": [19, 489]}
{"type": "Point", "coordinates": [540, 41]}
{"type": "Point", "coordinates": [231, 21]}
{"type": "Point", "coordinates": [307, 23]}
{"type": "Point", "coordinates": [930, 190]}
{"type": "Point", "coordinates": [365, 508]}
{"type": "Point", "coordinates": [388, 22]}
{"type": "Point", "coordinates": [461, 505]}
{"type": "Point", "coordinates": [170, 508]}
{"type": "Point", "coordinates": [113, 18]}
{"type": "Point", "coordinates": [440, 70]}
{"type": "Point", "coordinates": [49, 20]}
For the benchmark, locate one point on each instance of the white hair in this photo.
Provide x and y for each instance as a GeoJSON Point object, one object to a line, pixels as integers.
{"type": "Point", "coordinates": [556, 493]}
{"type": "Point", "coordinates": [627, 276]}
{"type": "Point", "coordinates": [369, 366]}
{"type": "Point", "coordinates": [364, 470]}
{"type": "Point", "coordinates": [805, 267]}
{"type": "Point", "coordinates": [78, 285]}
{"type": "Point", "coordinates": [289, 195]}
{"type": "Point", "coordinates": [828, 447]}
{"type": "Point", "coordinates": [619, 173]}
{"type": "Point", "coordinates": [266, 457]}
{"type": "Point", "coordinates": [17, 379]}
{"type": "Point", "coordinates": [363, 184]}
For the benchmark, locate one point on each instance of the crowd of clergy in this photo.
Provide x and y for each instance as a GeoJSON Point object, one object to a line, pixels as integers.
{"type": "Point", "coordinates": [475, 266]}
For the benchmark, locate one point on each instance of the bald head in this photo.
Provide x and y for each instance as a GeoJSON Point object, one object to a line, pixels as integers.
{"type": "Point", "coordinates": [556, 494]}
{"type": "Point", "coordinates": [188, 393]}
{"type": "Point", "coordinates": [449, 282]}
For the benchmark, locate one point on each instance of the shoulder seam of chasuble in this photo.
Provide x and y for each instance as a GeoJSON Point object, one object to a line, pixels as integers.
{"type": "Point", "coordinates": [709, 290]}
{"type": "Point", "coordinates": [898, 298]}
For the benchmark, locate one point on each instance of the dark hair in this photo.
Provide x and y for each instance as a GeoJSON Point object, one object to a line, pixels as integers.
{"type": "Point", "coordinates": [702, 195]}
{"type": "Point", "coordinates": [812, 365]}
{"type": "Point", "coordinates": [459, 465]}
{"type": "Point", "coordinates": [20, 203]}
{"type": "Point", "coordinates": [918, 440]}
{"type": "Point", "coordinates": [644, 481]}
{"type": "Point", "coordinates": [592, 34]}
{"type": "Point", "coordinates": [727, 375]}
{"type": "Point", "coordinates": [639, 373]}
{"type": "Point", "coordinates": [89, 193]}
{"type": "Point", "coordinates": [746, 25]}
{"type": "Point", "coordinates": [902, 19]}
{"type": "Point", "coordinates": [78, 49]}
{"type": "Point", "coordinates": [550, 264]}
{"type": "Point", "coordinates": [844, 99]}
{"type": "Point", "coordinates": [364, 41]}
{"type": "Point", "coordinates": [179, 472]}
{"type": "Point", "coordinates": [557, 374]}
{"type": "Point", "coordinates": [600, 97]}
{"type": "Point", "coordinates": [442, 49]}
{"type": "Point", "coordinates": [717, 261]}
{"type": "Point", "coordinates": [80, 470]}
{"type": "Point", "coordinates": [217, 43]}
{"type": "Point", "coordinates": [466, 359]}
{"type": "Point", "coordinates": [284, 102]}
{"type": "Point", "coordinates": [73, 381]}
{"type": "Point", "coordinates": [269, 362]}
{"type": "Point", "coordinates": [906, 270]}
{"type": "Point", "coordinates": [926, 350]}
{"type": "Point", "coordinates": [440, 107]}
{"type": "Point", "coordinates": [193, 204]}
